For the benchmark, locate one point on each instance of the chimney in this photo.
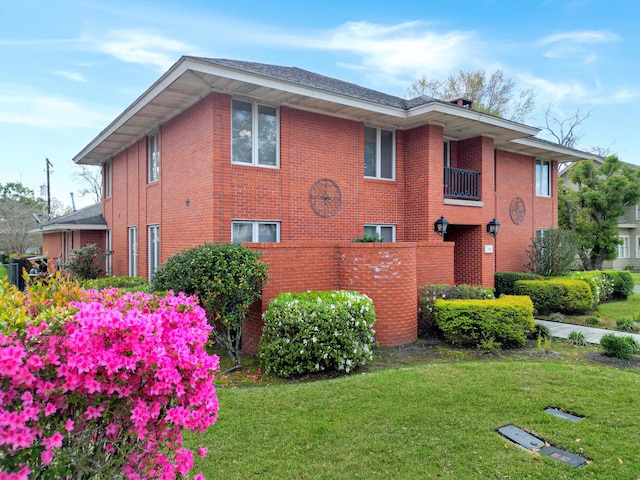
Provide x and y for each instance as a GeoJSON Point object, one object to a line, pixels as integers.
{"type": "Point", "coordinates": [462, 102]}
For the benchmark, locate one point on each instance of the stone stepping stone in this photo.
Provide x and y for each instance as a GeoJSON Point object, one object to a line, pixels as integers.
{"type": "Point", "coordinates": [564, 415]}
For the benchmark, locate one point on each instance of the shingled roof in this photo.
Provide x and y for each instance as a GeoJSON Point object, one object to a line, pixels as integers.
{"type": "Point", "coordinates": [88, 218]}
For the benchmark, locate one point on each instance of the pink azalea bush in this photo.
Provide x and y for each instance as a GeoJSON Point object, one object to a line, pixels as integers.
{"type": "Point", "coordinates": [101, 384]}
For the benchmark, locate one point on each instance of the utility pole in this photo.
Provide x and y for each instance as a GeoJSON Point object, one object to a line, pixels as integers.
{"type": "Point", "coordinates": [49, 164]}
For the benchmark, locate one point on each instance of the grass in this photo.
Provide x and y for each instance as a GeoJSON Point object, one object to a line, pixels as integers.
{"type": "Point", "coordinates": [3, 273]}
{"type": "Point", "coordinates": [431, 420]}
{"type": "Point", "coordinates": [622, 309]}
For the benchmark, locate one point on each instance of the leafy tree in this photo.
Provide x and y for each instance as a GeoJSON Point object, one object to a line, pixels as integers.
{"type": "Point", "coordinates": [494, 93]}
{"type": "Point", "coordinates": [17, 208]}
{"type": "Point", "coordinates": [592, 210]}
{"type": "Point", "coordinates": [228, 279]}
{"type": "Point", "coordinates": [553, 253]}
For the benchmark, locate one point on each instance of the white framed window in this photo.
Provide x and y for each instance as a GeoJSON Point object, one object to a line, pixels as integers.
{"type": "Point", "coordinates": [379, 153]}
{"type": "Point", "coordinates": [623, 247]}
{"type": "Point", "coordinates": [133, 251]}
{"type": "Point", "coordinates": [543, 178]}
{"type": "Point", "coordinates": [109, 247]}
{"type": "Point", "coordinates": [386, 232]}
{"type": "Point", "coordinates": [254, 231]}
{"type": "Point", "coordinates": [106, 172]}
{"type": "Point", "coordinates": [153, 233]}
{"type": "Point", "coordinates": [638, 211]}
{"type": "Point", "coordinates": [153, 157]}
{"type": "Point", "coordinates": [637, 246]}
{"type": "Point", "coordinates": [540, 233]}
{"type": "Point", "coordinates": [254, 134]}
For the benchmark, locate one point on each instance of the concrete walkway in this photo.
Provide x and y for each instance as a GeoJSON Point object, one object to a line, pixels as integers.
{"type": "Point", "coordinates": [592, 335]}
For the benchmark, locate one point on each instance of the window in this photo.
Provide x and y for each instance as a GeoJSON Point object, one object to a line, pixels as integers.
{"type": "Point", "coordinates": [109, 247]}
{"type": "Point", "coordinates": [623, 248]}
{"type": "Point", "coordinates": [133, 251]}
{"type": "Point", "coordinates": [540, 233]}
{"type": "Point", "coordinates": [153, 160]}
{"type": "Point", "coordinates": [154, 249]}
{"type": "Point", "coordinates": [638, 211]}
{"type": "Point", "coordinates": [637, 246]}
{"type": "Point", "coordinates": [543, 178]}
{"type": "Point", "coordinates": [386, 232]}
{"type": "Point", "coordinates": [106, 171]}
{"type": "Point", "coordinates": [254, 130]}
{"type": "Point", "coordinates": [379, 153]}
{"type": "Point", "coordinates": [250, 231]}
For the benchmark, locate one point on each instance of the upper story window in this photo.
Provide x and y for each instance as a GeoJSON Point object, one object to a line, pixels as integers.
{"type": "Point", "coordinates": [543, 178]}
{"type": "Point", "coordinates": [252, 231]}
{"type": "Point", "coordinates": [386, 232]}
{"type": "Point", "coordinates": [106, 172]}
{"type": "Point", "coordinates": [255, 134]}
{"type": "Point", "coordinates": [623, 247]}
{"type": "Point", "coordinates": [153, 157]}
{"type": "Point", "coordinates": [379, 153]}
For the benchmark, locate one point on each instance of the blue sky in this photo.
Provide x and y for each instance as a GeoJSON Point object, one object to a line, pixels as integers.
{"type": "Point", "coordinates": [69, 67]}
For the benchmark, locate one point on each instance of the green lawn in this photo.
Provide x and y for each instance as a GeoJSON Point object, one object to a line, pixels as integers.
{"type": "Point", "coordinates": [3, 273]}
{"type": "Point", "coordinates": [436, 420]}
{"type": "Point", "coordinates": [622, 309]}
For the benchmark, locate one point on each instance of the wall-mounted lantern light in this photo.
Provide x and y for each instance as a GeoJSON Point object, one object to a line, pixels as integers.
{"type": "Point", "coordinates": [493, 226]}
{"type": "Point", "coordinates": [441, 225]}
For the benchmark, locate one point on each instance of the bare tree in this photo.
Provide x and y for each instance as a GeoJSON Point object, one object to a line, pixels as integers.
{"type": "Point", "coordinates": [18, 207]}
{"type": "Point", "coordinates": [91, 181]}
{"type": "Point", "coordinates": [565, 131]}
{"type": "Point", "coordinates": [494, 94]}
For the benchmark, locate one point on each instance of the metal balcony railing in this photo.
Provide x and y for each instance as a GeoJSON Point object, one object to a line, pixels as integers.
{"type": "Point", "coordinates": [459, 183]}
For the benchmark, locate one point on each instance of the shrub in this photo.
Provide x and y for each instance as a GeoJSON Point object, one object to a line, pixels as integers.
{"type": "Point", "coordinates": [553, 253]}
{"type": "Point", "coordinates": [622, 347]}
{"type": "Point", "coordinates": [317, 331]}
{"type": "Point", "coordinates": [226, 278]}
{"type": "Point", "coordinates": [131, 284]}
{"type": "Point", "coordinates": [601, 285]}
{"type": "Point", "coordinates": [556, 317]}
{"type": "Point", "coordinates": [593, 320]}
{"type": "Point", "coordinates": [577, 339]}
{"type": "Point", "coordinates": [541, 331]}
{"type": "Point", "coordinates": [507, 320]}
{"type": "Point", "coordinates": [626, 325]}
{"type": "Point", "coordinates": [367, 238]}
{"type": "Point", "coordinates": [558, 294]}
{"type": "Point", "coordinates": [101, 384]}
{"type": "Point", "coordinates": [86, 262]}
{"type": "Point", "coordinates": [489, 346]}
{"type": "Point", "coordinates": [429, 293]}
{"type": "Point", "coordinates": [505, 281]}
{"type": "Point", "coordinates": [622, 282]}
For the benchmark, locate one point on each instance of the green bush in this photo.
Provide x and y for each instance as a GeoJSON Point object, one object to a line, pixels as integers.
{"type": "Point", "coordinates": [367, 238]}
{"type": "Point", "coordinates": [577, 339]}
{"type": "Point", "coordinates": [131, 284]}
{"type": "Point", "coordinates": [86, 262]}
{"type": "Point", "coordinates": [557, 295]}
{"type": "Point", "coordinates": [553, 253]}
{"type": "Point", "coordinates": [622, 347]}
{"type": "Point", "coordinates": [622, 282]}
{"type": "Point", "coordinates": [429, 293]}
{"type": "Point", "coordinates": [507, 320]}
{"type": "Point", "coordinates": [541, 331]}
{"type": "Point", "coordinates": [504, 281]}
{"type": "Point", "coordinates": [557, 317]}
{"type": "Point", "coordinates": [593, 320]}
{"type": "Point", "coordinates": [601, 285]}
{"type": "Point", "coordinates": [626, 325]}
{"type": "Point", "coordinates": [226, 278]}
{"type": "Point", "coordinates": [313, 332]}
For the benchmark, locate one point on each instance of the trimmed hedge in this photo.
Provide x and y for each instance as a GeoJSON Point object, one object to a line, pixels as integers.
{"type": "Point", "coordinates": [430, 292]}
{"type": "Point", "coordinates": [601, 285]}
{"type": "Point", "coordinates": [312, 332]}
{"type": "Point", "coordinates": [504, 281]}
{"type": "Point", "coordinates": [622, 282]}
{"type": "Point", "coordinates": [557, 295]}
{"type": "Point", "coordinates": [507, 320]}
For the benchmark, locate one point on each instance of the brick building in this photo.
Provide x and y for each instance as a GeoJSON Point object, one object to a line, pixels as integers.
{"type": "Point", "coordinates": [299, 164]}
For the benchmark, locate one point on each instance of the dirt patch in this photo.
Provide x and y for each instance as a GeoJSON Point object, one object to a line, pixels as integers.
{"type": "Point", "coordinates": [602, 359]}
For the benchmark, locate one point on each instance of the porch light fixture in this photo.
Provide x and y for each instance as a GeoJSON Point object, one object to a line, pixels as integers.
{"type": "Point", "coordinates": [440, 226]}
{"type": "Point", "coordinates": [493, 226]}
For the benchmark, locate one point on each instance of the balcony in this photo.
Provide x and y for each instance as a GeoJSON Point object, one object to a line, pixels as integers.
{"type": "Point", "coordinates": [463, 184]}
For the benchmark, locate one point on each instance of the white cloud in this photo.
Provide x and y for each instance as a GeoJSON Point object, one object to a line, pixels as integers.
{"type": "Point", "coordinates": [76, 77]}
{"type": "Point", "coordinates": [576, 45]}
{"type": "Point", "coordinates": [24, 106]}
{"type": "Point", "coordinates": [582, 37]}
{"type": "Point", "coordinates": [143, 47]}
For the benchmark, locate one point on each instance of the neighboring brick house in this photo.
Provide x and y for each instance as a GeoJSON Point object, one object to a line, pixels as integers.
{"type": "Point", "coordinates": [229, 151]}
{"type": "Point", "coordinates": [68, 232]}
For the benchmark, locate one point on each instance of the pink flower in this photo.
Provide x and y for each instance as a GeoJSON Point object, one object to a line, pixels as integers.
{"type": "Point", "coordinates": [94, 412]}
{"type": "Point", "coordinates": [202, 451]}
{"type": "Point", "coordinates": [49, 409]}
{"type": "Point", "coordinates": [46, 457]}
{"type": "Point", "coordinates": [69, 425]}
{"type": "Point", "coordinates": [199, 476]}
{"type": "Point", "coordinates": [54, 441]}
